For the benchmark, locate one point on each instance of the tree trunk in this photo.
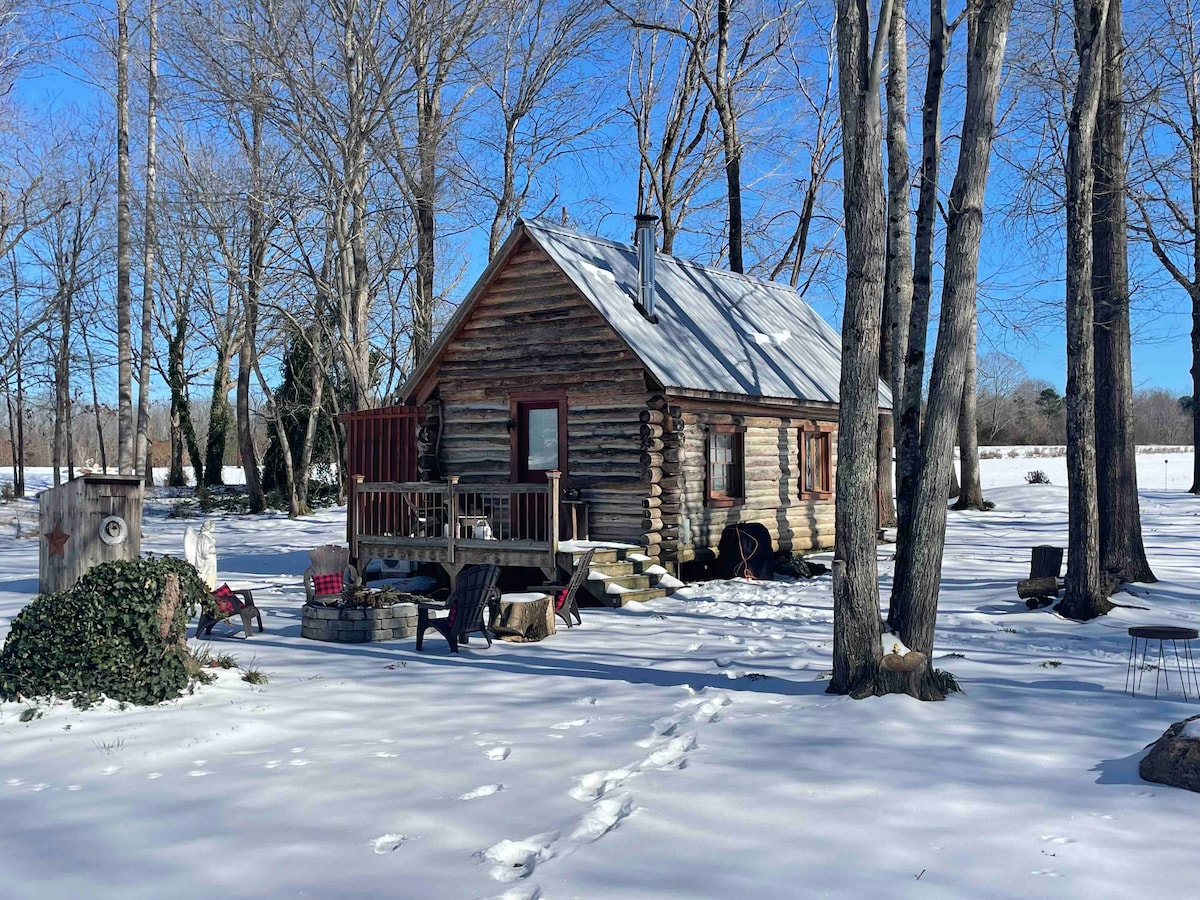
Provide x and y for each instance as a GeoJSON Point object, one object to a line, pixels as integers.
{"type": "Point", "coordinates": [1122, 552]}
{"type": "Point", "coordinates": [142, 446]}
{"type": "Point", "coordinates": [915, 594]}
{"type": "Point", "coordinates": [730, 142]}
{"type": "Point", "coordinates": [87, 346]}
{"type": "Point", "coordinates": [125, 424]}
{"type": "Point", "coordinates": [970, 493]}
{"type": "Point", "coordinates": [908, 433]}
{"type": "Point", "coordinates": [857, 636]}
{"type": "Point", "coordinates": [247, 353]}
{"type": "Point", "coordinates": [218, 420]}
{"type": "Point", "coordinates": [1195, 488]}
{"type": "Point", "coordinates": [1084, 597]}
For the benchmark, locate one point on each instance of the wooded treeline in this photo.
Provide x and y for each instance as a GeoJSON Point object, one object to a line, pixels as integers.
{"type": "Point", "coordinates": [265, 207]}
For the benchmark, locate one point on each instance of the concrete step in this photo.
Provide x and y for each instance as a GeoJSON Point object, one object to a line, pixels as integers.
{"type": "Point", "coordinates": [639, 596]}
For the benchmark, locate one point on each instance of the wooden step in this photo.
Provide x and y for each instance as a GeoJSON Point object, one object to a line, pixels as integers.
{"type": "Point", "coordinates": [639, 596]}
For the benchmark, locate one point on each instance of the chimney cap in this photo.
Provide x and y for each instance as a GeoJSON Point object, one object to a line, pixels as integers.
{"type": "Point", "coordinates": [646, 218]}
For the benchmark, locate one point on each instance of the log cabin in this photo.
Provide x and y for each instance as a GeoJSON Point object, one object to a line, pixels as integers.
{"type": "Point", "coordinates": [587, 389]}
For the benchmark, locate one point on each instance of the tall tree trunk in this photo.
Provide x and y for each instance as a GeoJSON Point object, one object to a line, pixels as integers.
{"type": "Point", "coordinates": [914, 598]}
{"type": "Point", "coordinates": [898, 286]}
{"type": "Point", "coordinates": [218, 419]}
{"type": "Point", "coordinates": [58, 444]}
{"type": "Point", "coordinates": [730, 142]}
{"type": "Point", "coordinates": [183, 431]}
{"type": "Point", "coordinates": [247, 353]}
{"type": "Point", "coordinates": [908, 416]}
{"type": "Point", "coordinates": [125, 424]}
{"type": "Point", "coordinates": [857, 645]}
{"type": "Point", "coordinates": [1195, 370]}
{"type": "Point", "coordinates": [970, 492]}
{"type": "Point", "coordinates": [1122, 551]}
{"type": "Point", "coordinates": [1084, 597]}
{"type": "Point", "coordinates": [87, 346]}
{"type": "Point", "coordinates": [142, 445]}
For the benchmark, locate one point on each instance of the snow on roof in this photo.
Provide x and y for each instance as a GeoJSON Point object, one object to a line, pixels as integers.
{"type": "Point", "coordinates": [716, 331]}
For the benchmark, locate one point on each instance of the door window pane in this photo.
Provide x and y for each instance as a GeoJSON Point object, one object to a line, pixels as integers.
{"type": "Point", "coordinates": [542, 440]}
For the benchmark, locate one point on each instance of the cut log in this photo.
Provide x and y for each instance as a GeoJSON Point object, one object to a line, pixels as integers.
{"type": "Point", "coordinates": [1039, 587]}
{"type": "Point", "coordinates": [651, 416]}
{"type": "Point", "coordinates": [647, 432]}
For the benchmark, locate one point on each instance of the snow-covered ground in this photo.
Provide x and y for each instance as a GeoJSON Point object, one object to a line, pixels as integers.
{"type": "Point", "coordinates": [680, 749]}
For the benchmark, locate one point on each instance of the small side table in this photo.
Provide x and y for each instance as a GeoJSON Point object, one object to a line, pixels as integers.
{"type": "Point", "coordinates": [1185, 663]}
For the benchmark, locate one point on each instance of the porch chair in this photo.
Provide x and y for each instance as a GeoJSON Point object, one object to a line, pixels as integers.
{"type": "Point", "coordinates": [231, 603]}
{"type": "Point", "coordinates": [476, 590]}
{"type": "Point", "coordinates": [327, 575]}
{"type": "Point", "coordinates": [566, 604]}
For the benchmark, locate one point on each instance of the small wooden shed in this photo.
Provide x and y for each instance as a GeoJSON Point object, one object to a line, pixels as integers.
{"type": "Point", "coordinates": [89, 520]}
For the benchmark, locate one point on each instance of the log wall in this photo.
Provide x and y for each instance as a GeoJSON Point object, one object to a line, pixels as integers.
{"type": "Point", "coordinates": [772, 478]}
{"type": "Point", "coordinates": [531, 331]}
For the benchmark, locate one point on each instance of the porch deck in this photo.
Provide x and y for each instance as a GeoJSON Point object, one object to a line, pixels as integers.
{"type": "Point", "coordinates": [456, 524]}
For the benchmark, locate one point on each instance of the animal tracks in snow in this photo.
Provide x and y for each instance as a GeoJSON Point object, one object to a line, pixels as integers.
{"type": "Point", "coordinates": [388, 843]}
{"type": "Point", "coordinates": [498, 753]}
{"type": "Point", "coordinates": [484, 790]}
{"type": "Point", "coordinates": [607, 805]}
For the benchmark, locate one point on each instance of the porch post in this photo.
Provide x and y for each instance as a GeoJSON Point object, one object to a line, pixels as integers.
{"type": "Point", "coordinates": [451, 516]}
{"type": "Point", "coordinates": [553, 496]}
{"type": "Point", "coordinates": [352, 523]}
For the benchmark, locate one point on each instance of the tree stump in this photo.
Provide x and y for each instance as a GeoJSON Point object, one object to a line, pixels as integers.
{"type": "Point", "coordinates": [1046, 562]}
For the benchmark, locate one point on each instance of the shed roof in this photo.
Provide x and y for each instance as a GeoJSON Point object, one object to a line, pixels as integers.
{"type": "Point", "coordinates": [716, 331]}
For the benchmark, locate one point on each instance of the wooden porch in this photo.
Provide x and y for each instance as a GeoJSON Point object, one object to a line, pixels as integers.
{"type": "Point", "coordinates": [456, 524]}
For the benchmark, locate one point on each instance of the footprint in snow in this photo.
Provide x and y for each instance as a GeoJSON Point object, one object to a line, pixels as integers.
{"type": "Point", "coordinates": [484, 790]}
{"type": "Point", "coordinates": [520, 892]}
{"type": "Point", "coordinates": [1054, 839]}
{"type": "Point", "coordinates": [299, 749]}
{"type": "Point", "coordinates": [198, 773]}
{"type": "Point", "coordinates": [14, 782]}
{"type": "Point", "coordinates": [298, 762]}
{"type": "Point", "coordinates": [274, 763]}
{"type": "Point", "coordinates": [74, 787]}
{"type": "Point", "coordinates": [573, 723]}
{"type": "Point", "coordinates": [710, 710]}
{"type": "Point", "coordinates": [661, 728]}
{"type": "Point", "coordinates": [1047, 872]}
{"type": "Point", "coordinates": [518, 859]}
{"type": "Point", "coordinates": [152, 776]}
{"type": "Point", "coordinates": [388, 843]}
{"type": "Point", "coordinates": [112, 770]}
{"type": "Point", "coordinates": [498, 753]}
{"type": "Point", "coordinates": [38, 787]}
{"type": "Point", "coordinates": [605, 814]}
{"type": "Point", "coordinates": [595, 785]}
{"type": "Point", "coordinates": [671, 755]}
{"type": "Point", "coordinates": [382, 754]}
{"type": "Point", "coordinates": [585, 701]}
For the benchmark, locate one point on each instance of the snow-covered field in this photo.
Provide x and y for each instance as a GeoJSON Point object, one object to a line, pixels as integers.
{"type": "Point", "coordinates": [681, 749]}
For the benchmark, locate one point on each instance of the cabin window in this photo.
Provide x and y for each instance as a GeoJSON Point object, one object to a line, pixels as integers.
{"type": "Point", "coordinates": [816, 470]}
{"type": "Point", "coordinates": [726, 465]}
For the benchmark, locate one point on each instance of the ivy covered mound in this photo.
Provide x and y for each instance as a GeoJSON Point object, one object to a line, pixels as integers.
{"type": "Point", "coordinates": [120, 632]}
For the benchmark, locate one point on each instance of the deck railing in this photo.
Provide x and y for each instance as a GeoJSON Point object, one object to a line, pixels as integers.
{"type": "Point", "coordinates": [459, 520]}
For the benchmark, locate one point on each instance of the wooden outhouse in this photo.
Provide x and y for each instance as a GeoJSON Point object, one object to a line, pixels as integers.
{"type": "Point", "coordinates": [87, 521]}
{"type": "Point", "coordinates": [667, 398]}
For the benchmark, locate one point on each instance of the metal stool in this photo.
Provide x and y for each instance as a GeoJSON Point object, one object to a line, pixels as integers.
{"type": "Point", "coordinates": [1185, 664]}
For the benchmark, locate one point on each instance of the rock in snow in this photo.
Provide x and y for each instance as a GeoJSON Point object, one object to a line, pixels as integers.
{"type": "Point", "coordinates": [1174, 759]}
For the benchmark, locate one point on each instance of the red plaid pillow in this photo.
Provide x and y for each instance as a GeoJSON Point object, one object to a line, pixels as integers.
{"type": "Point", "coordinates": [224, 596]}
{"type": "Point", "coordinates": [561, 598]}
{"type": "Point", "coordinates": [453, 615]}
{"type": "Point", "coordinates": [326, 585]}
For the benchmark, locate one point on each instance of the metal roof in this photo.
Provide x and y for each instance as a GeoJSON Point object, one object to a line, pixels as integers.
{"type": "Point", "coordinates": [716, 331]}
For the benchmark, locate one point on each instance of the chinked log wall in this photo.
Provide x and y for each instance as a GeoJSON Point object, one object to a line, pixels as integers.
{"type": "Point", "coordinates": [772, 478]}
{"type": "Point", "coordinates": [533, 332]}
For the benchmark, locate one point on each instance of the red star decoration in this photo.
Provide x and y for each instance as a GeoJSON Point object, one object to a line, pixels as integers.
{"type": "Point", "coordinates": [57, 539]}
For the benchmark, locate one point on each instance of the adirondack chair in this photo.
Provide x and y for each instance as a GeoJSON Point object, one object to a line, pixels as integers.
{"type": "Point", "coordinates": [238, 603]}
{"type": "Point", "coordinates": [566, 603]}
{"type": "Point", "coordinates": [476, 591]}
{"type": "Point", "coordinates": [325, 578]}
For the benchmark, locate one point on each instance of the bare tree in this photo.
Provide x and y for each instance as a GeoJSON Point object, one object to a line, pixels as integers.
{"type": "Point", "coordinates": [970, 489]}
{"type": "Point", "coordinates": [671, 111]}
{"type": "Point", "coordinates": [1167, 187]}
{"type": "Point", "coordinates": [1121, 548]}
{"type": "Point", "coordinates": [857, 646]}
{"type": "Point", "coordinates": [124, 299]}
{"type": "Point", "coordinates": [1085, 596]}
{"type": "Point", "coordinates": [142, 456]}
{"type": "Point", "coordinates": [915, 591]}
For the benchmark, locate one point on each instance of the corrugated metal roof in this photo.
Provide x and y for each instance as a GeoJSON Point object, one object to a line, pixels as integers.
{"type": "Point", "coordinates": [716, 331]}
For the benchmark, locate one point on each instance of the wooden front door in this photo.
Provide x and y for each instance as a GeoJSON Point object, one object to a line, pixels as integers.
{"type": "Point", "coordinates": [539, 442]}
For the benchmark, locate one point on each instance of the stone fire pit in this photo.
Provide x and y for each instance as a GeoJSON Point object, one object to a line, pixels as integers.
{"type": "Point", "coordinates": [358, 625]}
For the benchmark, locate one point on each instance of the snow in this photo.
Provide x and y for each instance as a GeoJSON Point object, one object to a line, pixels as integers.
{"type": "Point", "coordinates": [683, 747]}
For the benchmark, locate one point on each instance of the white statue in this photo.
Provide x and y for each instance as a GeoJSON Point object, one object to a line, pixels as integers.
{"type": "Point", "coordinates": [200, 549]}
